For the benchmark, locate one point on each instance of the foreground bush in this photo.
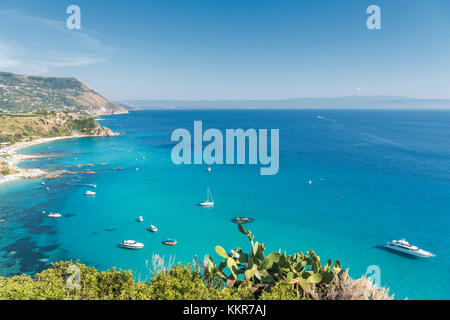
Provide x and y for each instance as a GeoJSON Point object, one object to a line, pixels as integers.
{"type": "Point", "coordinates": [276, 276]}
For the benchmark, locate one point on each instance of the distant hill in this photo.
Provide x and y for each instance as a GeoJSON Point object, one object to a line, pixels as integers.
{"type": "Point", "coordinates": [128, 106]}
{"type": "Point", "coordinates": [20, 93]}
{"type": "Point", "coordinates": [351, 102]}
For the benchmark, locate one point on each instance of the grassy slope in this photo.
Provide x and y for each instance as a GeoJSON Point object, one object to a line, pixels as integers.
{"type": "Point", "coordinates": [17, 128]}
{"type": "Point", "coordinates": [28, 93]}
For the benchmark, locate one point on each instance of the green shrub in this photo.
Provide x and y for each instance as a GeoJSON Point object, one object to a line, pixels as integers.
{"type": "Point", "coordinates": [271, 277]}
{"type": "Point", "coordinates": [281, 291]}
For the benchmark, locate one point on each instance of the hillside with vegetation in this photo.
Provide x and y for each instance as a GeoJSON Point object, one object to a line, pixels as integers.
{"type": "Point", "coordinates": [21, 93]}
{"type": "Point", "coordinates": [239, 276]}
{"type": "Point", "coordinates": [27, 127]}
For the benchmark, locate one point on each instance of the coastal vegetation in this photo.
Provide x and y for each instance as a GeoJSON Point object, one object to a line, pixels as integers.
{"type": "Point", "coordinates": [5, 169]}
{"type": "Point", "coordinates": [21, 129]}
{"type": "Point", "coordinates": [27, 127]}
{"type": "Point", "coordinates": [21, 93]}
{"type": "Point", "coordinates": [239, 276]}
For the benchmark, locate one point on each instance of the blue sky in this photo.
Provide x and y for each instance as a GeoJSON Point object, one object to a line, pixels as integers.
{"type": "Point", "coordinates": [229, 49]}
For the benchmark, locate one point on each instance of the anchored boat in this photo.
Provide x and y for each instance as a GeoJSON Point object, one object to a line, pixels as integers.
{"type": "Point", "coordinates": [131, 244]}
{"type": "Point", "coordinates": [405, 247]}
{"type": "Point", "coordinates": [170, 242]}
{"type": "Point", "coordinates": [54, 215]}
{"type": "Point", "coordinates": [209, 202]}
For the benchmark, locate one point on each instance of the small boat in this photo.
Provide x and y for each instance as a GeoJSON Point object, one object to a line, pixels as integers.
{"type": "Point", "coordinates": [153, 228]}
{"type": "Point", "coordinates": [47, 188]}
{"type": "Point", "coordinates": [242, 220]}
{"type": "Point", "coordinates": [141, 219]}
{"type": "Point", "coordinates": [405, 247]}
{"type": "Point", "coordinates": [209, 169]}
{"type": "Point", "coordinates": [43, 183]}
{"type": "Point", "coordinates": [54, 215]}
{"type": "Point", "coordinates": [90, 193]}
{"type": "Point", "coordinates": [208, 202]}
{"type": "Point", "coordinates": [170, 242]}
{"type": "Point", "coordinates": [131, 244]}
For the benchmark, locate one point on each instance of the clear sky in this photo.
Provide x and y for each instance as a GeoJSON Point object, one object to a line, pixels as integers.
{"type": "Point", "coordinates": [233, 49]}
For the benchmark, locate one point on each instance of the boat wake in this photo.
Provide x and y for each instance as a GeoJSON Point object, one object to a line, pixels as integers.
{"type": "Point", "coordinates": [325, 118]}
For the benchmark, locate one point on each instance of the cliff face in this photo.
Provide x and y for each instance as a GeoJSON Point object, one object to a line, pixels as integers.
{"type": "Point", "coordinates": [104, 132]}
{"type": "Point", "coordinates": [19, 93]}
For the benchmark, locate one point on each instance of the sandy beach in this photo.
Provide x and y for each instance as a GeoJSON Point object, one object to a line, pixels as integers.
{"type": "Point", "coordinates": [14, 158]}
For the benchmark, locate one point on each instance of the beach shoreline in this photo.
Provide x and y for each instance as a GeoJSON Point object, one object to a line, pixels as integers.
{"type": "Point", "coordinates": [14, 158]}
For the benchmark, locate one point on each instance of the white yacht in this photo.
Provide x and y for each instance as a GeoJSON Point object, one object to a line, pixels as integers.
{"type": "Point", "coordinates": [54, 215]}
{"type": "Point", "coordinates": [209, 202]}
{"type": "Point", "coordinates": [141, 219]}
{"type": "Point", "coordinates": [131, 244]}
{"type": "Point", "coordinates": [405, 247]}
{"type": "Point", "coordinates": [90, 193]}
{"type": "Point", "coordinates": [153, 228]}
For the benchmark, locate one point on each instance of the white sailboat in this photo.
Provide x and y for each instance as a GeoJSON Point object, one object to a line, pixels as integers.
{"type": "Point", "coordinates": [209, 202]}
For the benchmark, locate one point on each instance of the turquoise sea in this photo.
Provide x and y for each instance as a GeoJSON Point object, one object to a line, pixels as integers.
{"type": "Point", "coordinates": [390, 170]}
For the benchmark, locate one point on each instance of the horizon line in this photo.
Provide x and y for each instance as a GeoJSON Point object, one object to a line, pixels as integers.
{"type": "Point", "coordinates": [275, 99]}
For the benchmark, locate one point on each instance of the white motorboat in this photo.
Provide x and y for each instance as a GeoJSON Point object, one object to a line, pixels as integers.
{"type": "Point", "coordinates": [90, 193]}
{"type": "Point", "coordinates": [131, 244]}
{"type": "Point", "coordinates": [153, 228]}
{"type": "Point", "coordinates": [209, 202]}
{"type": "Point", "coordinates": [54, 215]}
{"type": "Point", "coordinates": [141, 219]}
{"type": "Point", "coordinates": [405, 247]}
{"type": "Point", "coordinates": [209, 169]}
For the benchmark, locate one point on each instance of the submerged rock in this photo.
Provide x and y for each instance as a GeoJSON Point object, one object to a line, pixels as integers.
{"type": "Point", "coordinates": [57, 174]}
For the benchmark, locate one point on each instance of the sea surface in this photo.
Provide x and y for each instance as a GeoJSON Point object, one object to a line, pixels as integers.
{"type": "Point", "coordinates": [375, 176]}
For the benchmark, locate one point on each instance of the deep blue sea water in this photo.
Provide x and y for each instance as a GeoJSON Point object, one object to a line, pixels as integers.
{"type": "Point", "coordinates": [391, 170]}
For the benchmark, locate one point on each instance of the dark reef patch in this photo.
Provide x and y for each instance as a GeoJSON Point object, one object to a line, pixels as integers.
{"type": "Point", "coordinates": [26, 256]}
